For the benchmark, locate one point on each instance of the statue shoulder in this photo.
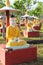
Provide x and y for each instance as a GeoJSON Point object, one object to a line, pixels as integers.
{"type": "Point", "coordinates": [16, 27]}
{"type": "Point", "coordinates": [8, 27]}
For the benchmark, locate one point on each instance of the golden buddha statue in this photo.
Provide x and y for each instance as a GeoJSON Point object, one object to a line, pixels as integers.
{"type": "Point", "coordinates": [13, 34]}
{"type": "Point", "coordinates": [35, 21]}
{"type": "Point", "coordinates": [28, 25]}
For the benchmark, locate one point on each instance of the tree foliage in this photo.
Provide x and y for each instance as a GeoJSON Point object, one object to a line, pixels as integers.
{"type": "Point", "coordinates": [2, 3]}
{"type": "Point", "coordinates": [21, 4]}
{"type": "Point", "coordinates": [38, 10]}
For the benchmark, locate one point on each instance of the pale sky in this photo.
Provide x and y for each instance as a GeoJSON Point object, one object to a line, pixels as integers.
{"type": "Point", "coordinates": [11, 1]}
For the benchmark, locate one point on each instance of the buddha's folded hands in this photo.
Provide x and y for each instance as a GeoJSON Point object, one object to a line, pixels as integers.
{"type": "Point", "coordinates": [14, 40]}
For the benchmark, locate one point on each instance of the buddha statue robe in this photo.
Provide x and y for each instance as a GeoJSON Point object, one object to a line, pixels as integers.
{"type": "Point", "coordinates": [14, 37]}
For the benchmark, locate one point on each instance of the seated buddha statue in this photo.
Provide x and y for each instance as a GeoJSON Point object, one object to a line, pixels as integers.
{"type": "Point", "coordinates": [35, 21]}
{"type": "Point", "coordinates": [13, 34]}
{"type": "Point", "coordinates": [29, 26]}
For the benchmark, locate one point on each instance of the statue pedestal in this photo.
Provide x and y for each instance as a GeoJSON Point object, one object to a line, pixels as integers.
{"type": "Point", "coordinates": [12, 57]}
{"type": "Point", "coordinates": [31, 34]}
{"type": "Point", "coordinates": [37, 27]}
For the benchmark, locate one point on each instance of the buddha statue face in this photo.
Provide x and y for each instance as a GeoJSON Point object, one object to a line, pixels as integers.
{"type": "Point", "coordinates": [34, 20]}
{"type": "Point", "coordinates": [12, 21]}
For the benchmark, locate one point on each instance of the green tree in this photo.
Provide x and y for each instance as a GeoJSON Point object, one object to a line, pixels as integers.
{"type": "Point", "coordinates": [34, 1]}
{"type": "Point", "coordinates": [2, 3]}
{"type": "Point", "coordinates": [24, 5]}
{"type": "Point", "coordinates": [38, 10]}
{"type": "Point", "coordinates": [21, 4]}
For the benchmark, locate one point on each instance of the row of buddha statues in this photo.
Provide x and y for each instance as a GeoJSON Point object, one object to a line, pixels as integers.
{"type": "Point", "coordinates": [29, 24]}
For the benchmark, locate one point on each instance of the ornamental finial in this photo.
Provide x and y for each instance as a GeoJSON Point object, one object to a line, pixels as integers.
{"type": "Point", "coordinates": [7, 3]}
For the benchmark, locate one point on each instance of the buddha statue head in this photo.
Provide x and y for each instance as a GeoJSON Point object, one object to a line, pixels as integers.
{"type": "Point", "coordinates": [12, 20]}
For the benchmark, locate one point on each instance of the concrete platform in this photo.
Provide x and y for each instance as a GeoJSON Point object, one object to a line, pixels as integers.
{"type": "Point", "coordinates": [12, 57]}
